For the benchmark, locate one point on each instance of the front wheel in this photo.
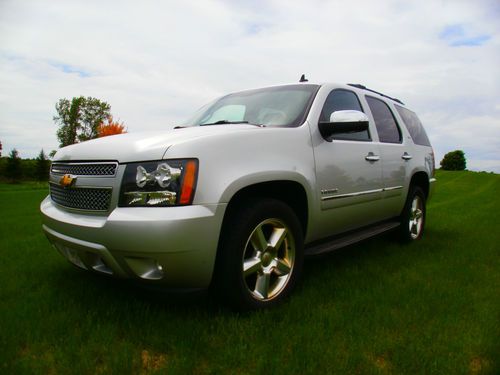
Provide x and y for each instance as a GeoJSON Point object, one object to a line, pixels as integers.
{"type": "Point", "coordinates": [413, 216]}
{"type": "Point", "coordinates": [261, 254]}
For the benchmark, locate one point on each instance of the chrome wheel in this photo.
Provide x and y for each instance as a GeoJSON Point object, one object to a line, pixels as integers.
{"type": "Point", "coordinates": [268, 259]}
{"type": "Point", "coordinates": [416, 217]}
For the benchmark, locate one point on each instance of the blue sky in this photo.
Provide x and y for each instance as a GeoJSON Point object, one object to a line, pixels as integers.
{"type": "Point", "coordinates": [156, 62]}
{"type": "Point", "coordinates": [457, 36]}
{"type": "Point", "coordinates": [66, 68]}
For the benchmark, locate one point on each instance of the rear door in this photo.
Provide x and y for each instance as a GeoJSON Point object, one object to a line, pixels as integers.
{"type": "Point", "coordinates": [395, 156]}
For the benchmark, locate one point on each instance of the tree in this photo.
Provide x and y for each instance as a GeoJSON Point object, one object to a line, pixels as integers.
{"type": "Point", "coordinates": [110, 128]}
{"type": "Point", "coordinates": [79, 119]}
{"type": "Point", "coordinates": [454, 161]}
{"type": "Point", "coordinates": [14, 168]}
{"type": "Point", "coordinates": [42, 167]}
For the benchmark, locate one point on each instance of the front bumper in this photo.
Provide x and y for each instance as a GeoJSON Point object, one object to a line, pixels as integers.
{"type": "Point", "coordinates": [175, 246]}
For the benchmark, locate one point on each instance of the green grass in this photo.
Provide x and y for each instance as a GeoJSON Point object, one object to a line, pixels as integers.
{"type": "Point", "coordinates": [378, 307]}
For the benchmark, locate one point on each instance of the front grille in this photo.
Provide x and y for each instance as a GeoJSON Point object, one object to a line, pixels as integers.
{"type": "Point", "coordinates": [95, 199]}
{"type": "Point", "coordinates": [84, 169]}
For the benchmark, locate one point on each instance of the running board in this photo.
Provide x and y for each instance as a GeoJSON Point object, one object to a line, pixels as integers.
{"type": "Point", "coordinates": [349, 238]}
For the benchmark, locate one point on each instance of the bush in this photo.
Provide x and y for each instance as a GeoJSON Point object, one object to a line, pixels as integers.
{"type": "Point", "coordinates": [454, 161]}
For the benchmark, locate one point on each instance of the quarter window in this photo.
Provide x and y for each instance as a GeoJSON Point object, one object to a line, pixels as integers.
{"type": "Point", "coordinates": [387, 128]}
{"type": "Point", "coordinates": [414, 126]}
{"type": "Point", "coordinates": [341, 100]}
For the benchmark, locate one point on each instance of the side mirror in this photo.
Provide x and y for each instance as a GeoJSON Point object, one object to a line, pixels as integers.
{"type": "Point", "coordinates": [344, 122]}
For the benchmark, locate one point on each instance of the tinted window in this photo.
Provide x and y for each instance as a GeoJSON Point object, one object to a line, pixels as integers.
{"type": "Point", "coordinates": [341, 100]}
{"type": "Point", "coordinates": [387, 127]}
{"type": "Point", "coordinates": [414, 126]}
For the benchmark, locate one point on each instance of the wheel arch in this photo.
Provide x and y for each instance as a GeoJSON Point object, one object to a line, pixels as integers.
{"type": "Point", "coordinates": [421, 179]}
{"type": "Point", "coordinates": [290, 192]}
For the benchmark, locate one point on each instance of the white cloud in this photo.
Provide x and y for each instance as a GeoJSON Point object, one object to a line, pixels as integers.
{"type": "Point", "coordinates": [156, 62]}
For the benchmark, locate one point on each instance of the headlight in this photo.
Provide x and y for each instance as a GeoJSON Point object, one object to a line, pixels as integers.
{"type": "Point", "coordinates": [159, 183]}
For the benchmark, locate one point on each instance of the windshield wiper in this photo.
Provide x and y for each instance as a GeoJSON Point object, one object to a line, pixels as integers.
{"type": "Point", "coordinates": [224, 122]}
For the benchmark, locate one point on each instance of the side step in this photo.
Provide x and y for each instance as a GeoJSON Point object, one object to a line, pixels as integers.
{"type": "Point", "coordinates": [350, 238]}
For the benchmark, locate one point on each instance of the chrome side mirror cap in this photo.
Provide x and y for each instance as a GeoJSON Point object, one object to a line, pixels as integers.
{"type": "Point", "coordinates": [344, 122]}
{"type": "Point", "coordinates": [348, 116]}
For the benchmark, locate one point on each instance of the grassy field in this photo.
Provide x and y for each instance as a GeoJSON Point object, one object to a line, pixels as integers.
{"type": "Point", "coordinates": [378, 307]}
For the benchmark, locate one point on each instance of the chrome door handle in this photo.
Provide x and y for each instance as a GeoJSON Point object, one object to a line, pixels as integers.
{"type": "Point", "coordinates": [406, 156]}
{"type": "Point", "coordinates": [372, 157]}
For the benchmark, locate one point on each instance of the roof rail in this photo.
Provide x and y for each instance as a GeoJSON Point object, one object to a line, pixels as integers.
{"type": "Point", "coordinates": [357, 85]}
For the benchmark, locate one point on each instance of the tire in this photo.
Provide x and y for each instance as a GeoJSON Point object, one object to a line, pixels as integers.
{"type": "Point", "coordinates": [260, 256]}
{"type": "Point", "coordinates": [413, 215]}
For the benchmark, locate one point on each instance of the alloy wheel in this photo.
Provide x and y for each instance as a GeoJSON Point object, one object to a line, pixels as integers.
{"type": "Point", "coordinates": [268, 259]}
{"type": "Point", "coordinates": [416, 217]}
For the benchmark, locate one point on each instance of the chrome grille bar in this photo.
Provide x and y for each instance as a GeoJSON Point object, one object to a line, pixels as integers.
{"type": "Point", "coordinates": [85, 169]}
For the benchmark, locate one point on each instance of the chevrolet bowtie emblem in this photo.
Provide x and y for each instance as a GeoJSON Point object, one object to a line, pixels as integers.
{"type": "Point", "coordinates": [67, 180]}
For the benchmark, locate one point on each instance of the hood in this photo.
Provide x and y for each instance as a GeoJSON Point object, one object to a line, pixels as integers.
{"type": "Point", "coordinates": [142, 146]}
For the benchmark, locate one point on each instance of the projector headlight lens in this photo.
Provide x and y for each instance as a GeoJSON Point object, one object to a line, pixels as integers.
{"type": "Point", "coordinates": [158, 184]}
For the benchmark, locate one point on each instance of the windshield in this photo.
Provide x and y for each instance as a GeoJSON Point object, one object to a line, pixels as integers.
{"type": "Point", "coordinates": [273, 106]}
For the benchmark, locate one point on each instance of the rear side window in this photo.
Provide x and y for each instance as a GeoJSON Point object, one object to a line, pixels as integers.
{"type": "Point", "coordinates": [387, 128]}
{"type": "Point", "coordinates": [341, 100]}
{"type": "Point", "coordinates": [414, 126]}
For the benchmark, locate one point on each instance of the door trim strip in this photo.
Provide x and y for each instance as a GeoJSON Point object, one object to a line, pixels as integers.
{"type": "Point", "coordinates": [359, 193]}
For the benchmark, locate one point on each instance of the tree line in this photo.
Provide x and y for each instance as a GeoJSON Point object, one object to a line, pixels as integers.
{"type": "Point", "coordinates": [14, 169]}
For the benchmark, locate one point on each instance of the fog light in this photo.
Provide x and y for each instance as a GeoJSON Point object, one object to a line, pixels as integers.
{"type": "Point", "coordinates": [146, 268]}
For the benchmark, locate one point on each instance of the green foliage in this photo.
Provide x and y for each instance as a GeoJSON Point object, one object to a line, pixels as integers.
{"type": "Point", "coordinates": [14, 169]}
{"type": "Point", "coordinates": [79, 119]}
{"type": "Point", "coordinates": [22, 169]}
{"type": "Point", "coordinates": [376, 307]}
{"type": "Point", "coordinates": [454, 161]}
{"type": "Point", "coordinates": [42, 167]}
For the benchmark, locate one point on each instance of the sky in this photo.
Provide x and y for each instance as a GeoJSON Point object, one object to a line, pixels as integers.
{"type": "Point", "coordinates": [156, 62]}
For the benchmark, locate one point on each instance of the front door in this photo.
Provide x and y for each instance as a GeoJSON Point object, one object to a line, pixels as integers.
{"type": "Point", "coordinates": [348, 172]}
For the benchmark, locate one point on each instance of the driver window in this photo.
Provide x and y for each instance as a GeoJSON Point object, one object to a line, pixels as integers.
{"type": "Point", "coordinates": [341, 100]}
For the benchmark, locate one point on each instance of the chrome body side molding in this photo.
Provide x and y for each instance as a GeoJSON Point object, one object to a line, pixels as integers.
{"type": "Point", "coordinates": [358, 193]}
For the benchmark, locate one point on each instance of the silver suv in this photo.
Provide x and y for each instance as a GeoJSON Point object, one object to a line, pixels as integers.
{"type": "Point", "coordinates": [238, 194]}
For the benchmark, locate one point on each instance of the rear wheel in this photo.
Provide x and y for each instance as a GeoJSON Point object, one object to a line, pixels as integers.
{"type": "Point", "coordinates": [261, 255]}
{"type": "Point", "coordinates": [413, 216]}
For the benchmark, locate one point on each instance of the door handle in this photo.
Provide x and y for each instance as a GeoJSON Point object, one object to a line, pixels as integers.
{"type": "Point", "coordinates": [372, 157]}
{"type": "Point", "coordinates": [406, 156]}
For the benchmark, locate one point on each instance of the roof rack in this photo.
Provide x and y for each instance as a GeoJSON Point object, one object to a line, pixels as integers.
{"type": "Point", "coordinates": [357, 85]}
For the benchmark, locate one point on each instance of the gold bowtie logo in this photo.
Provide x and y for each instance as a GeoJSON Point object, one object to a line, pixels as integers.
{"type": "Point", "coordinates": [67, 180]}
